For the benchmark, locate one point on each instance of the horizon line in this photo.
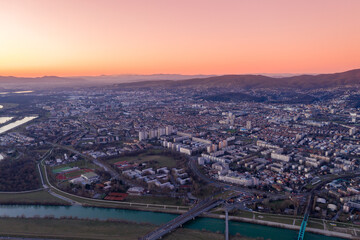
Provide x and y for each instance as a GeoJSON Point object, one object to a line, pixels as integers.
{"type": "Point", "coordinates": [178, 74]}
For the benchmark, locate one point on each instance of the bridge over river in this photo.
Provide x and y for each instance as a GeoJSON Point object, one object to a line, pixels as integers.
{"type": "Point", "coordinates": [306, 217]}
{"type": "Point", "coordinates": [198, 209]}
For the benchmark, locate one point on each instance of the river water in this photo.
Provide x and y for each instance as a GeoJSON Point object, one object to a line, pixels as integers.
{"type": "Point", "coordinates": [5, 119]}
{"type": "Point", "coordinates": [15, 124]}
{"type": "Point", "coordinates": [210, 224]}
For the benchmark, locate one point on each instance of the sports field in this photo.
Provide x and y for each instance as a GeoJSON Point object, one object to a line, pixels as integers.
{"type": "Point", "coordinates": [72, 174]}
{"type": "Point", "coordinates": [58, 170]}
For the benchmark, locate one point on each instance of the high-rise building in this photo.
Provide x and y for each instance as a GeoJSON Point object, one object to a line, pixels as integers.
{"type": "Point", "coordinates": [142, 135]}
{"type": "Point", "coordinates": [222, 144]}
{"type": "Point", "coordinates": [230, 119]}
{"type": "Point", "coordinates": [161, 132]}
{"type": "Point", "coordinates": [152, 134]}
{"type": "Point", "coordinates": [352, 131]}
{"type": "Point", "coordinates": [225, 143]}
{"type": "Point", "coordinates": [214, 147]}
{"type": "Point", "coordinates": [248, 125]}
{"type": "Point", "coordinates": [169, 130]}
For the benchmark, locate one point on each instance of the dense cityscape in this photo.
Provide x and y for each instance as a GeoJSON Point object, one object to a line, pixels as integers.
{"type": "Point", "coordinates": [177, 148]}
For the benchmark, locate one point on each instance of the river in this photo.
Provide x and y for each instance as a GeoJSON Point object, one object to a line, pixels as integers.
{"type": "Point", "coordinates": [5, 119]}
{"type": "Point", "coordinates": [17, 92]}
{"type": "Point", "coordinates": [16, 124]}
{"type": "Point", "coordinates": [210, 224]}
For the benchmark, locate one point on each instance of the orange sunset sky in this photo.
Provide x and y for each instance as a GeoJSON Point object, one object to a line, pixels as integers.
{"type": "Point", "coordinates": [93, 37]}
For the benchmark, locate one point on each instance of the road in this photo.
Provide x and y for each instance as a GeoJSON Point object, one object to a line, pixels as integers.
{"type": "Point", "coordinates": [46, 155]}
{"type": "Point", "coordinates": [72, 202]}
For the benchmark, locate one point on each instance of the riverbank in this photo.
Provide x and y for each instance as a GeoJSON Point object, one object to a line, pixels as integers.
{"type": "Point", "coordinates": [93, 229]}
{"type": "Point", "coordinates": [214, 225]}
{"type": "Point", "coordinates": [278, 221]}
{"type": "Point", "coordinates": [286, 226]}
{"type": "Point", "coordinates": [40, 197]}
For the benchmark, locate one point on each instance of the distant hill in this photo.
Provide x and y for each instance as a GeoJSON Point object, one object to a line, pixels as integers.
{"type": "Point", "coordinates": [349, 78]}
{"type": "Point", "coordinates": [127, 78]}
{"type": "Point", "coordinates": [46, 82]}
{"type": "Point", "coordinates": [39, 82]}
{"type": "Point", "coordinates": [234, 97]}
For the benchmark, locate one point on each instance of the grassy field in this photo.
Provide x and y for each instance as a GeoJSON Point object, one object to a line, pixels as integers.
{"type": "Point", "coordinates": [79, 163]}
{"type": "Point", "coordinates": [239, 213]}
{"type": "Point", "coordinates": [76, 173]}
{"type": "Point", "coordinates": [28, 198]}
{"type": "Point", "coordinates": [287, 219]}
{"type": "Point", "coordinates": [280, 219]}
{"type": "Point", "coordinates": [88, 229]}
{"type": "Point", "coordinates": [155, 161]}
{"type": "Point", "coordinates": [315, 224]}
{"type": "Point", "coordinates": [59, 169]}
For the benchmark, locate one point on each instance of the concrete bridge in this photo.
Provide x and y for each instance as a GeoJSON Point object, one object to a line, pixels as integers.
{"type": "Point", "coordinates": [198, 209]}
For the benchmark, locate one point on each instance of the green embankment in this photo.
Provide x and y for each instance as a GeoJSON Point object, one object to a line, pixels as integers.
{"type": "Point", "coordinates": [39, 197]}
{"type": "Point", "coordinates": [90, 229]}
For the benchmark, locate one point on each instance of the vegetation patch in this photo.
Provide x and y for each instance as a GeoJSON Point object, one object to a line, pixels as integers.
{"type": "Point", "coordinates": [19, 175]}
{"type": "Point", "coordinates": [39, 197]}
{"type": "Point", "coordinates": [150, 158]}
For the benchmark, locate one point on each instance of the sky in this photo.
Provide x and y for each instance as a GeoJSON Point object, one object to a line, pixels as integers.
{"type": "Point", "coordinates": [95, 37]}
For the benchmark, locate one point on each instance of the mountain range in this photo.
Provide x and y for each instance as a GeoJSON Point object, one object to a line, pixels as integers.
{"type": "Point", "coordinates": [349, 78]}
{"type": "Point", "coordinates": [45, 82]}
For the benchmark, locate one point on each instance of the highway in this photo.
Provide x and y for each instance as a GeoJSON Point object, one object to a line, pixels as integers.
{"type": "Point", "coordinates": [198, 209]}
